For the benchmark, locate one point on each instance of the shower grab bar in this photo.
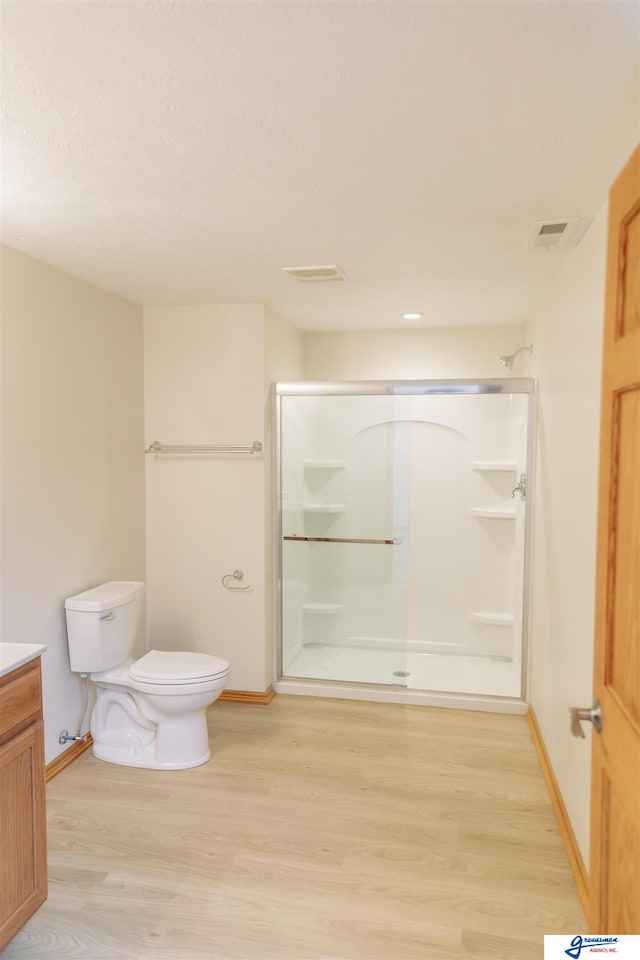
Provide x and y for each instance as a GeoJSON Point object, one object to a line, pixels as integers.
{"type": "Point", "coordinates": [157, 447]}
{"type": "Point", "coordinates": [393, 543]}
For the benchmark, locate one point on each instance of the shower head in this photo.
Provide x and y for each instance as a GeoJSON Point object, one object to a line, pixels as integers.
{"type": "Point", "coordinates": [508, 360]}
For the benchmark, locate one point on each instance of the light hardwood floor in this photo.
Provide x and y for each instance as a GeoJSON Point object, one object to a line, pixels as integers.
{"type": "Point", "coordinates": [320, 830]}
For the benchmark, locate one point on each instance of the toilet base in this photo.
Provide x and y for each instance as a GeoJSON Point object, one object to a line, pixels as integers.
{"type": "Point", "coordinates": [124, 734]}
{"type": "Point", "coordinates": [123, 756]}
{"type": "Point", "coordinates": [129, 749]}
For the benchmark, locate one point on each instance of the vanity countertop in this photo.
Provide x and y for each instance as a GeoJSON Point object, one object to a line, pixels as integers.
{"type": "Point", "coordinates": [13, 655]}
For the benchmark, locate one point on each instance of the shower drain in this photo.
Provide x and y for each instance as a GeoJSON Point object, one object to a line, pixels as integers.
{"type": "Point", "coordinates": [400, 673]}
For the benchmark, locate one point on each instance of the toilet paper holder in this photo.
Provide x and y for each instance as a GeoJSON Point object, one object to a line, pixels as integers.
{"type": "Point", "coordinates": [229, 578]}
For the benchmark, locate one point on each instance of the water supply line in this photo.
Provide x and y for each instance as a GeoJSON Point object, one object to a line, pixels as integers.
{"type": "Point", "coordinates": [65, 736]}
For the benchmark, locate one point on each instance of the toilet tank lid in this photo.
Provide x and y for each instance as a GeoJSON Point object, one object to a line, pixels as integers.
{"type": "Point", "coordinates": [104, 597]}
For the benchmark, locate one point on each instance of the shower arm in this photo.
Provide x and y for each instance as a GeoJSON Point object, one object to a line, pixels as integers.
{"type": "Point", "coordinates": [507, 361]}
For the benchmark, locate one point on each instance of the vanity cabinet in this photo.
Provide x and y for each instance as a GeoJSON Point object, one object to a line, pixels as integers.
{"type": "Point", "coordinates": [23, 851]}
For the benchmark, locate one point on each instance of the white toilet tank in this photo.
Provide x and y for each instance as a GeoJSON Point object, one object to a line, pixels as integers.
{"type": "Point", "coordinates": [102, 624]}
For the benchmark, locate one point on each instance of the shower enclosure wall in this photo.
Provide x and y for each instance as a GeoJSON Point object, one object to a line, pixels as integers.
{"type": "Point", "coordinates": [403, 535]}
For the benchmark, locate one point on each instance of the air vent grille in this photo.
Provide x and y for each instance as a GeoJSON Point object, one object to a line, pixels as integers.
{"type": "Point", "coordinates": [551, 233]}
{"type": "Point", "coordinates": [549, 229]}
{"type": "Point", "coordinates": [322, 274]}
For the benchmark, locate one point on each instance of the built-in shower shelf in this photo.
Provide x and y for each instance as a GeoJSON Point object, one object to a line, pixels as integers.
{"type": "Point", "coordinates": [324, 464]}
{"type": "Point", "coordinates": [491, 619]}
{"type": "Point", "coordinates": [323, 507]}
{"type": "Point", "coordinates": [323, 609]}
{"type": "Point", "coordinates": [491, 513]}
{"type": "Point", "coordinates": [496, 466]}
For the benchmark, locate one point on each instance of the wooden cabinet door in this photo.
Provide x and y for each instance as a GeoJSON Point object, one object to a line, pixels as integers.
{"type": "Point", "coordinates": [23, 860]}
{"type": "Point", "coordinates": [615, 798]}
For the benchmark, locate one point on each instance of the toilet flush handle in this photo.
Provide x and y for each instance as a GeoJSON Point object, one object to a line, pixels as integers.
{"type": "Point", "coordinates": [109, 616]}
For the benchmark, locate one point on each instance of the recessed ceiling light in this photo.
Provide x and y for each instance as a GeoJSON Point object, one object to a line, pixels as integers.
{"type": "Point", "coordinates": [412, 316]}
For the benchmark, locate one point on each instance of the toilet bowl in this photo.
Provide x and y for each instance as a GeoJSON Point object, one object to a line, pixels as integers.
{"type": "Point", "coordinates": [149, 712]}
{"type": "Point", "coordinates": [152, 712]}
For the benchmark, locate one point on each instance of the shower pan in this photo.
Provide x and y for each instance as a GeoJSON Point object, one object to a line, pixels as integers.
{"type": "Point", "coordinates": [403, 540]}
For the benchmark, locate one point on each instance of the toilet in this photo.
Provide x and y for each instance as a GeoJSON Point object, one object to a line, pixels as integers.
{"type": "Point", "coordinates": [149, 712]}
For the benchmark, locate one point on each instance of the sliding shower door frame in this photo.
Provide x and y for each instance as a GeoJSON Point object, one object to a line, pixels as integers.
{"type": "Point", "coordinates": [398, 388]}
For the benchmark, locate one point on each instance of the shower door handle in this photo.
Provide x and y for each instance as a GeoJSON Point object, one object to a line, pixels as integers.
{"type": "Point", "coordinates": [591, 714]}
{"type": "Point", "coordinates": [392, 543]}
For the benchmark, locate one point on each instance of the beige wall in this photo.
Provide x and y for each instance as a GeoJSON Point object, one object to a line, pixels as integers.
{"type": "Point", "coordinates": [436, 353]}
{"type": "Point", "coordinates": [567, 333]}
{"type": "Point", "coordinates": [208, 376]}
{"type": "Point", "coordinates": [72, 510]}
{"type": "Point", "coordinates": [284, 353]}
{"type": "Point", "coordinates": [204, 384]}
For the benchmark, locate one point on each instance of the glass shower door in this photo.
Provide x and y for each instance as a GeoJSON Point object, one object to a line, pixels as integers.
{"type": "Point", "coordinates": [404, 534]}
{"type": "Point", "coordinates": [344, 469]}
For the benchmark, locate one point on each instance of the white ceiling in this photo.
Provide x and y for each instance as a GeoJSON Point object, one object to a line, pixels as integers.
{"type": "Point", "coordinates": [183, 152]}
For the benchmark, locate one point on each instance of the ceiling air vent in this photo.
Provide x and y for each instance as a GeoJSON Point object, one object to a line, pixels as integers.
{"type": "Point", "coordinates": [551, 233]}
{"type": "Point", "coordinates": [315, 274]}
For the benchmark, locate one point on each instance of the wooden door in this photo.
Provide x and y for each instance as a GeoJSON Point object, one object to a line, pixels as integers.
{"type": "Point", "coordinates": [615, 786]}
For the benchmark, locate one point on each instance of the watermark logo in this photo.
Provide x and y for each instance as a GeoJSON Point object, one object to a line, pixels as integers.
{"type": "Point", "coordinates": [582, 946]}
{"type": "Point", "coordinates": [579, 943]}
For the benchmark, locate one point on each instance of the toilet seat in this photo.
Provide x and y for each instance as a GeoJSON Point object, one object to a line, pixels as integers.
{"type": "Point", "coordinates": [177, 667]}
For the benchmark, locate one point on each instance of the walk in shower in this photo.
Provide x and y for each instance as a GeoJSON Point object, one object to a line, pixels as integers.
{"type": "Point", "coordinates": [403, 535]}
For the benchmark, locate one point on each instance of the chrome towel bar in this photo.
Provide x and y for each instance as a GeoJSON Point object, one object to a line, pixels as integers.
{"type": "Point", "coordinates": [157, 447]}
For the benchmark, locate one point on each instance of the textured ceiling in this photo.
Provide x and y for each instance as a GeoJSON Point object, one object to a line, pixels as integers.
{"type": "Point", "coordinates": [183, 152]}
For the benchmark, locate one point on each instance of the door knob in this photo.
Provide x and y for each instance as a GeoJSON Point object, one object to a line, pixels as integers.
{"type": "Point", "coordinates": [592, 714]}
